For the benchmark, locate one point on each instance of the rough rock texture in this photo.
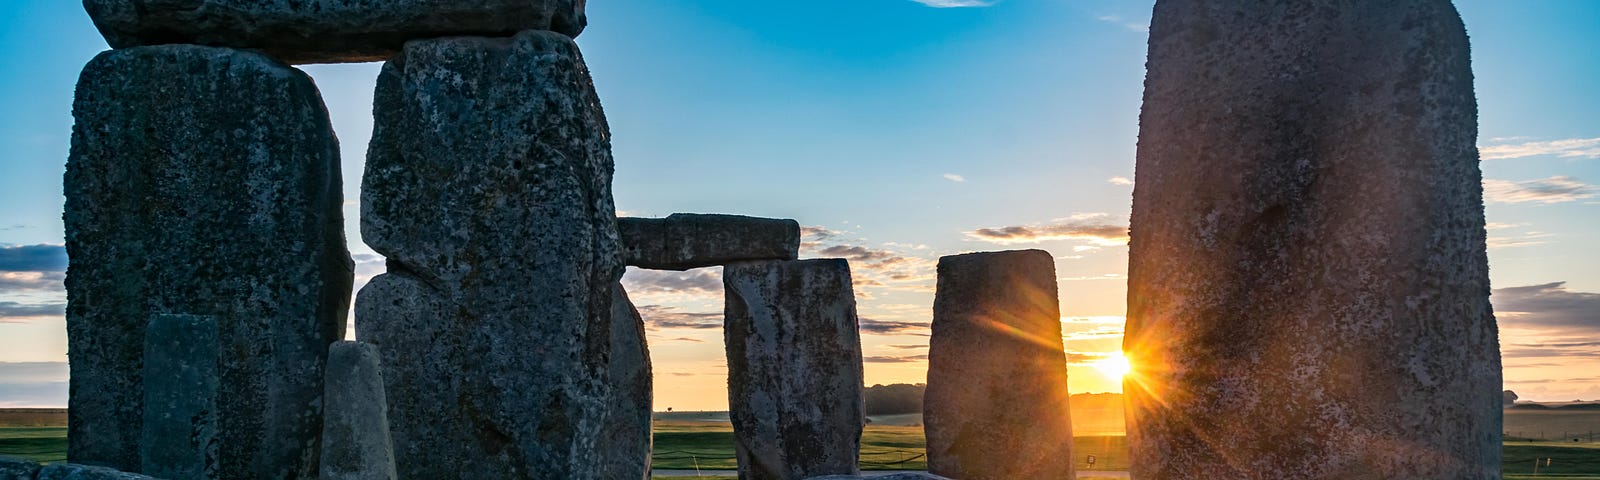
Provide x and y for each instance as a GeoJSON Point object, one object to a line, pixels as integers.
{"type": "Point", "coordinates": [488, 188]}
{"type": "Point", "coordinates": [1308, 293]}
{"type": "Point", "coordinates": [324, 31]}
{"type": "Point", "coordinates": [179, 441]}
{"type": "Point", "coordinates": [71, 471]}
{"type": "Point", "coordinates": [892, 476]}
{"type": "Point", "coordinates": [204, 181]}
{"type": "Point", "coordinates": [13, 468]}
{"type": "Point", "coordinates": [625, 439]}
{"type": "Point", "coordinates": [997, 403]}
{"type": "Point", "coordinates": [794, 368]}
{"type": "Point", "coordinates": [355, 420]}
{"type": "Point", "coordinates": [685, 240]}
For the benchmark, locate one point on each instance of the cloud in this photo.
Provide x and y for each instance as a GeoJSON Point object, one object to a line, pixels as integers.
{"type": "Point", "coordinates": [1568, 148]}
{"type": "Point", "coordinates": [32, 281]}
{"type": "Point", "coordinates": [954, 178]}
{"type": "Point", "coordinates": [819, 233]}
{"type": "Point", "coordinates": [657, 317]}
{"type": "Point", "coordinates": [1123, 181]}
{"type": "Point", "coordinates": [911, 346]}
{"type": "Point", "coordinates": [957, 3]}
{"type": "Point", "coordinates": [12, 312]}
{"type": "Point", "coordinates": [895, 358]}
{"type": "Point", "coordinates": [1117, 20]}
{"type": "Point", "coordinates": [1527, 239]}
{"type": "Point", "coordinates": [1098, 233]}
{"type": "Point", "coordinates": [857, 253]}
{"type": "Point", "coordinates": [33, 384]}
{"type": "Point", "coordinates": [1550, 307]}
{"type": "Point", "coordinates": [1085, 358]}
{"type": "Point", "coordinates": [33, 258]}
{"type": "Point", "coordinates": [702, 280]}
{"type": "Point", "coordinates": [1548, 190]}
{"type": "Point", "coordinates": [890, 327]}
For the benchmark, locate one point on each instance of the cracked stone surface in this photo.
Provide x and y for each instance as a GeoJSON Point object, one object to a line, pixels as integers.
{"type": "Point", "coordinates": [1308, 286]}
{"type": "Point", "coordinates": [488, 188]}
{"type": "Point", "coordinates": [794, 368]}
{"type": "Point", "coordinates": [683, 241]}
{"type": "Point", "coordinates": [355, 421]}
{"type": "Point", "coordinates": [324, 31]}
{"type": "Point", "coordinates": [997, 404]}
{"type": "Point", "coordinates": [179, 439]}
{"type": "Point", "coordinates": [625, 439]}
{"type": "Point", "coordinates": [204, 181]}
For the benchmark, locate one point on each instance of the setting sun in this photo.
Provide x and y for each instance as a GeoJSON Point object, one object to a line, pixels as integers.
{"type": "Point", "coordinates": [1115, 366]}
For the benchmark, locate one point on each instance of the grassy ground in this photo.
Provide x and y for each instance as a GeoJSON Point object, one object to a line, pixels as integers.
{"type": "Point", "coordinates": [40, 444]}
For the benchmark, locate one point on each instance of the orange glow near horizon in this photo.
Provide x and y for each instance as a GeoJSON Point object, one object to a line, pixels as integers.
{"type": "Point", "coordinates": [1116, 366]}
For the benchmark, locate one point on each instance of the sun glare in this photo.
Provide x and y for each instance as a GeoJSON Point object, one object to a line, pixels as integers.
{"type": "Point", "coordinates": [1115, 366]}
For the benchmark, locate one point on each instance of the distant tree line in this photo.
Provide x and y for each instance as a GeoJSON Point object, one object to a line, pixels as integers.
{"type": "Point", "coordinates": [896, 399]}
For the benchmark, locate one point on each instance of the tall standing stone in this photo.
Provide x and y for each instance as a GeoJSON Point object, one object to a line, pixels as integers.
{"type": "Point", "coordinates": [794, 368]}
{"type": "Point", "coordinates": [625, 440]}
{"type": "Point", "coordinates": [1308, 292]}
{"type": "Point", "coordinates": [355, 423]}
{"type": "Point", "coordinates": [488, 188]}
{"type": "Point", "coordinates": [997, 405]}
{"type": "Point", "coordinates": [179, 441]}
{"type": "Point", "coordinates": [324, 31]}
{"type": "Point", "coordinates": [204, 181]}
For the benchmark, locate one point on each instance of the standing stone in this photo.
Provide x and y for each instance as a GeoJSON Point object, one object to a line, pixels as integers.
{"type": "Point", "coordinates": [625, 447]}
{"type": "Point", "coordinates": [324, 31]}
{"type": "Point", "coordinates": [997, 405]}
{"type": "Point", "coordinates": [685, 240]}
{"type": "Point", "coordinates": [13, 468]}
{"type": "Point", "coordinates": [70, 471]}
{"type": "Point", "coordinates": [179, 441]}
{"type": "Point", "coordinates": [204, 181]}
{"type": "Point", "coordinates": [1308, 292]}
{"type": "Point", "coordinates": [355, 423]}
{"type": "Point", "coordinates": [794, 368]}
{"type": "Point", "coordinates": [488, 188]}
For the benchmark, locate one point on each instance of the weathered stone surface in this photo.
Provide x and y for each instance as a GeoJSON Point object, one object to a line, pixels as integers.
{"type": "Point", "coordinates": [204, 181]}
{"type": "Point", "coordinates": [179, 441]}
{"type": "Point", "coordinates": [625, 440]}
{"type": "Point", "coordinates": [685, 240]}
{"type": "Point", "coordinates": [892, 476]}
{"type": "Point", "coordinates": [355, 420]}
{"type": "Point", "coordinates": [488, 188]}
{"type": "Point", "coordinates": [72, 471]}
{"type": "Point", "coordinates": [13, 468]}
{"type": "Point", "coordinates": [324, 31]}
{"type": "Point", "coordinates": [794, 368]}
{"type": "Point", "coordinates": [1308, 293]}
{"type": "Point", "coordinates": [997, 403]}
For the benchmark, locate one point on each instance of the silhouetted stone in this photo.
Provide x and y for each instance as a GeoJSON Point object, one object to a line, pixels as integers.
{"type": "Point", "coordinates": [794, 368]}
{"type": "Point", "coordinates": [324, 31]}
{"type": "Point", "coordinates": [488, 188]}
{"type": "Point", "coordinates": [179, 441]}
{"type": "Point", "coordinates": [355, 421]}
{"type": "Point", "coordinates": [685, 240]}
{"type": "Point", "coordinates": [997, 405]}
{"type": "Point", "coordinates": [1308, 292]}
{"type": "Point", "coordinates": [892, 476]}
{"type": "Point", "coordinates": [204, 181]}
{"type": "Point", "coordinates": [71, 471]}
{"type": "Point", "coordinates": [625, 440]}
{"type": "Point", "coordinates": [13, 468]}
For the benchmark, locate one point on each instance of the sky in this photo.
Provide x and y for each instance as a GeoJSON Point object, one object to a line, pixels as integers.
{"type": "Point", "coordinates": [896, 132]}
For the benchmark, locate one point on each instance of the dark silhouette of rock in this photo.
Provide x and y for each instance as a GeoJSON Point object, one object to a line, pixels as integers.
{"type": "Point", "coordinates": [72, 471]}
{"type": "Point", "coordinates": [794, 368]}
{"type": "Point", "coordinates": [355, 421]}
{"type": "Point", "coordinates": [324, 31]}
{"type": "Point", "coordinates": [996, 405]}
{"type": "Point", "coordinates": [1508, 398]}
{"type": "Point", "coordinates": [204, 181]}
{"type": "Point", "coordinates": [625, 440]}
{"type": "Point", "coordinates": [181, 383]}
{"type": "Point", "coordinates": [488, 188]}
{"type": "Point", "coordinates": [1308, 292]}
{"type": "Point", "coordinates": [13, 468]}
{"type": "Point", "coordinates": [685, 240]}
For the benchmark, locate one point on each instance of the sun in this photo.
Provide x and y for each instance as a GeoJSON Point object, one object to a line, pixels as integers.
{"type": "Point", "coordinates": [1115, 365]}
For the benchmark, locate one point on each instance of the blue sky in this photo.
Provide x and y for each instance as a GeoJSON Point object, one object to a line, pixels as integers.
{"type": "Point", "coordinates": [897, 131]}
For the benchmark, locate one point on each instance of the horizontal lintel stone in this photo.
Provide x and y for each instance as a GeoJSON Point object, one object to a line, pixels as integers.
{"type": "Point", "coordinates": [683, 241]}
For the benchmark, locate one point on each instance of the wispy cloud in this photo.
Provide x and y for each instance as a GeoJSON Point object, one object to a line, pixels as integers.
{"type": "Point", "coordinates": [957, 3]}
{"type": "Point", "coordinates": [33, 258]}
{"type": "Point", "coordinates": [659, 281]}
{"type": "Point", "coordinates": [1123, 181]}
{"type": "Point", "coordinates": [1090, 228]}
{"type": "Point", "coordinates": [1124, 23]}
{"type": "Point", "coordinates": [890, 327]}
{"type": "Point", "coordinates": [1549, 306]}
{"type": "Point", "coordinates": [1526, 239]}
{"type": "Point", "coordinates": [13, 312]}
{"type": "Point", "coordinates": [954, 178]}
{"type": "Point", "coordinates": [1568, 148]}
{"type": "Point", "coordinates": [658, 317]}
{"type": "Point", "coordinates": [32, 281]}
{"type": "Point", "coordinates": [1548, 190]}
{"type": "Point", "coordinates": [895, 358]}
